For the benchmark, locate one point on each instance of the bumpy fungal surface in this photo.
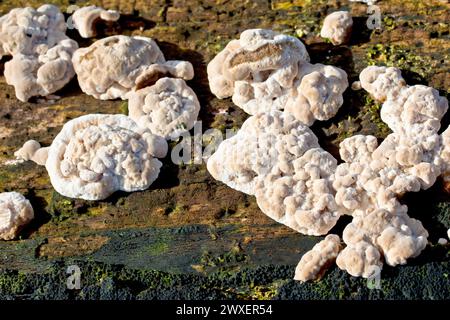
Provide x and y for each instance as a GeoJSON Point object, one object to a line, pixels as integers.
{"type": "Point", "coordinates": [42, 53]}
{"type": "Point", "coordinates": [15, 213]}
{"type": "Point", "coordinates": [110, 67]}
{"type": "Point", "coordinates": [84, 19]}
{"type": "Point", "coordinates": [265, 71]}
{"type": "Point", "coordinates": [41, 75]}
{"type": "Point", "coordinates": [168, 108]}
{"type": "Point", "coordinates": [314, 262]}
{"type": "Point", "coordinates": [373, 177]}
{"type": "Point", "coordinates": [31, 31]}
{"type": "Point", "coordinates": [32, 150]}
{"type": "Point", "coordinates": [337, 27]}
{"type": "Point", "coordinates": [278, 159]}
{"type": "Point", "coordinates": [318, 95]}
{"type": "Point", "coordinates": [96, 155]}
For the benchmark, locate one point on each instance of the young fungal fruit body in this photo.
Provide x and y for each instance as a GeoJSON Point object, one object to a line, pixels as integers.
{"type": "Point", "coordinates": [314, 262]}
{"type": "Point", "coordinates": [85, 19]}
{"type": "Point", "coordinates": [168, 108]}
{"type": "Point", "coordinates": [96, 155]}
{"type": "Point", "coordinates": [265, 71]}
{"type": "Point", "coordinates": [112, 67]}
{"type": "Point", "coordinates": [337, 27]}
{"type": "Point", "coordinates": [15, 213]}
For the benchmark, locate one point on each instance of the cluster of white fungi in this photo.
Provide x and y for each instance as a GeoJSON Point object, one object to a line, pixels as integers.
{"type": "Point", "coordinates": [274, 156]}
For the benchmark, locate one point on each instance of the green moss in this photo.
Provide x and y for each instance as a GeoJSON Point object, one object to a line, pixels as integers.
{"type": "Point", "coordinates": [403, 58]}
{"type": "Point", "coordinates": [157, 248]}
{"type": "Point", "coordinates": [225, 261]}
{"type": "Point", "coordinates": [13, 282]}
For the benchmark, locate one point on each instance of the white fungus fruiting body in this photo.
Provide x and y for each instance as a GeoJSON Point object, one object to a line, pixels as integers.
{"type": "Point", "coordinates": [318, 95]}
{"type": "Point", "coordinates": [42, 53]}
{"type": "Point", "coordinates": [31, 31]}
{"type": "Point", "coordinates": [109, 68]}
{"type": "Point", "coordinates": [278, 159]}
{"type": "Point", "coordinates": [96, 155]}
{"type": "Point", "coordinates": [337, 27]}
{"type": "Point", "coordinates": [442, 241]}
{"type": "Point", "coordinates": [374, 176]}
{"type": "Point", "coordinates": [84, 19]}
{"type": "Point", "coordinates": [264, 71]}
{"type": "Point", "coordinates": [41, 75]}
{"type": "Point", "coordinates": [32, 150]}
{"type": "Point", "coordinates": [382, 82]}
{"type": "Point", "coordinates": [314, 262]}
{"type": "Point", "coordinates": [360, 260]}
{"type": "Point", "coordinates": [15, 213]}
{"type": "Point", "coordinates": [168, 108]}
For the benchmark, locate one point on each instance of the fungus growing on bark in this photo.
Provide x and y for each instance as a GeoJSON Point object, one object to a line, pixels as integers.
{"type": "Point", "coordinates": [85, 19]}
{"type": "Point", "coordinates": [41, 75]}
{"type": "Point", "coordinates": [265, 71]}
{"type": "Point", "coordinates": [278, 159]}
{"type": "Point", "coordinates": [15, 213]}
{"type": "Point", "coordinates": [31, 31]}
{"type": "Point", "coordinates": [314, 262]}
{"type": "Point", "coordinates": [42, 53]}
{"type": "Point", "coordinates": [112, 67]}
{"type": "Point", "coordinates": [337, 27]}
{"type": "Point", "coordinates": [96, 155]}
{"type": "Point", "coordinates": [168, 108]}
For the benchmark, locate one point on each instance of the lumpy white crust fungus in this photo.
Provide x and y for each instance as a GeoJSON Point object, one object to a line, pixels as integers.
{"type": "Point", "coordinates": [32, 150]}
{"type": "Point", "coordinates": [84, 19]}
{"type": "Point", "coordinates": [382, 82]}
{"type": "Point", "coordinates": [31, 31]}
{"type": "Point", "coordinates": [15, 213]}
{"type": "Point", "coordinates": [96, 155]}
{"type": "Point", "coordinates": [42, 53]}
{"type": "Point", "coordinates": [110, 67]}
{"type": "Point", "coordinates": [278, 159]}
{"type": "Point", "coordinates": [265, 71]}
{"type": "Point", "coordinates": [168, 108]}
{"type": "Point", "coordinates": [318, 259]}
{"type": "Point", "coordinates": [337, 27]}
{"type": "Point", "coordinates": [318, 96]}
{"type": "Point", "coordinates": [360, 260]}
{"type": "Point", "coordinates": [41, 75]}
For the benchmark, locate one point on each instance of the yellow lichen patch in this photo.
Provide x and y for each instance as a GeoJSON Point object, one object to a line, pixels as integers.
{"type": "Point", "coordinates": [286, 5]}
{"type": "Point", "coordinates": [70, 246]}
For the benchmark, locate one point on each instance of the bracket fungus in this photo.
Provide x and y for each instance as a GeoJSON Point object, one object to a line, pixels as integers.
{"type": "Point", "coordinates": [168, 108]}
{"type": "Point", "coordinates": [113, 66]}
{"type": "Point", "coordinates": [96, 155]}
{"type": "Point", "coordinates": [337, 27]}
{"type": "Point", "coordinates": [84, 19]}
{"type": "Point", "coordinates": [15, 213]}
{"type": "Point", "coordinates": [265, 71]}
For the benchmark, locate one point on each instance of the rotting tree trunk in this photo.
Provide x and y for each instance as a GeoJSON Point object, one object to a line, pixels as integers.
{"type": "Point", "coordinates": [189, 236]}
